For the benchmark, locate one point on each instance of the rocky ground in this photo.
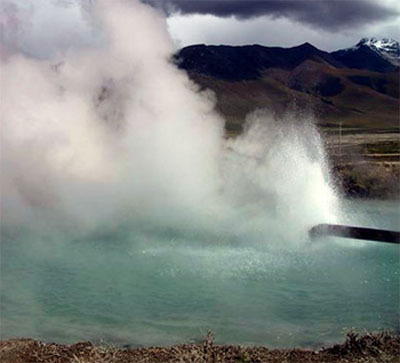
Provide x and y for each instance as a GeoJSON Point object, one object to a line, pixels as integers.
{"type": "Point", "coordinates": [380, 347]}
{"type": "Point", "coordinates": [365, 164]}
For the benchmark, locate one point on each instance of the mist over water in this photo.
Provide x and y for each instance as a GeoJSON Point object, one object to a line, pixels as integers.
{"type": "Point", "coordinates": [117, 135]}
{"type": "Point", "coordinates": [127, 215]}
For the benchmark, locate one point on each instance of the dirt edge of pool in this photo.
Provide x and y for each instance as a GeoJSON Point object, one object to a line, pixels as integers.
{"type": "Point", "coordinates": [367, 347]}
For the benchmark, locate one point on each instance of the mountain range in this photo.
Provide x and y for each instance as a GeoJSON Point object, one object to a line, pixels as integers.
{"type": "Point", "coordinates": [356, 86]}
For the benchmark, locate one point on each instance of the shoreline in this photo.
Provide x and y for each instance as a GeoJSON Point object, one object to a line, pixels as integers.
{"type": "Point", "coordinates": [365, 165]}
{"type": "Point", "coordinates": [369, 347]}
{"type": "Point", "coordinates": [367, 180]}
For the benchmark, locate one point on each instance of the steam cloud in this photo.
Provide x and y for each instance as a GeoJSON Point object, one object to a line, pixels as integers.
{"type": "Point", "coordinates": [118, 136]}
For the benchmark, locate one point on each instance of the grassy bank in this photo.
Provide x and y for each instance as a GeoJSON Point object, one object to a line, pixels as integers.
{"type": "Point", "coordinates": [378, 347]}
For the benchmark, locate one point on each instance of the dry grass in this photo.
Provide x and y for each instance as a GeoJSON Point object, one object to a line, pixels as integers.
{"type": "Point", "coordinates": [380, 347]}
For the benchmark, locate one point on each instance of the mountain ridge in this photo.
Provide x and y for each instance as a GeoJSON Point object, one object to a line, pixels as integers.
{"type": "Point", "coordinates": [386, 47]}
{"type": "Point", "coordinates": [247, 62]}
{"type": "Point", "coordinates": [371, 54]}
{"type": "Point", "coordinates": [356, 89]}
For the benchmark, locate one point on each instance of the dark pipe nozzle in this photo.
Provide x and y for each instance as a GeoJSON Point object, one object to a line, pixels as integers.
{"type": "Point", "coordinates": [371, 234]}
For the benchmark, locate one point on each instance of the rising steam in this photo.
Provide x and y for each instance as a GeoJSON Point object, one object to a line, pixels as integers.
{"type": "Point", "coordinates": [117, 136]}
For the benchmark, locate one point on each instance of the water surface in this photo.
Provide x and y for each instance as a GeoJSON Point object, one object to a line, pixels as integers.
{"type": "Point", "coordinates": [164, 288]}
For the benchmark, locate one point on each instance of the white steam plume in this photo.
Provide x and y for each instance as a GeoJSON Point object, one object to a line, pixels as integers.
{"type": "Point", "coordinates": [116, 135]}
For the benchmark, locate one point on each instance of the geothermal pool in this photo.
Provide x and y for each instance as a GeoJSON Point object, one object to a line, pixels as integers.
{"type": "Point", "coordinates": [164, 287]}
{"type": "Point", "coordinates": [128, 216]}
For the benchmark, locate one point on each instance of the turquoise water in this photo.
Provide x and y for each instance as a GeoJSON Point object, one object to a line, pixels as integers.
{"type": "Point", "coordinates": [163, 287]}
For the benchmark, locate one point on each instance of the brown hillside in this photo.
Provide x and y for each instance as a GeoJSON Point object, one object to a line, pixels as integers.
{"type": "Point", "coordinates": [357, 98]}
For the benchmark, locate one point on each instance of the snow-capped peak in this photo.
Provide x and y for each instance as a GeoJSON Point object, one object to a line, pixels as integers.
{"type": "Point", "coordinates": [385, 47]}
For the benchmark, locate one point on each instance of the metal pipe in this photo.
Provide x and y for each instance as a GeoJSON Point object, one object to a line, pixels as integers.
{"type": "Point", "coordinates": [338, 230]}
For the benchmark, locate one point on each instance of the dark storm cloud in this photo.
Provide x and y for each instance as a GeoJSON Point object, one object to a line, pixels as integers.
{"type": "Point", "coordinates": [328, 14]}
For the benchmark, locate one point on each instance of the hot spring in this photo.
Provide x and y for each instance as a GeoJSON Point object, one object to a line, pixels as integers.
{"type": "Point", "coordinates": [128, 217]}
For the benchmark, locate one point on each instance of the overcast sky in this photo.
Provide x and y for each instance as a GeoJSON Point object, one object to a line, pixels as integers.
{"type": "Point", "coordinates": [42, 27]}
